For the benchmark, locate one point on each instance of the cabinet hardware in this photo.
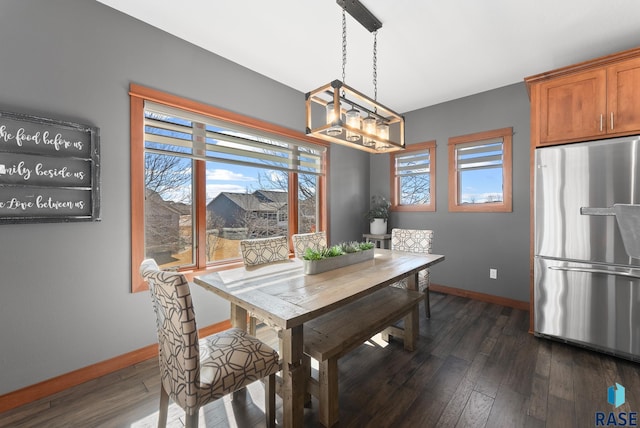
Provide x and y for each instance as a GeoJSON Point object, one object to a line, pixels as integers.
{"type": "Point", "coordinates": [611, 120]}
{"type": "Point", "coordinates": [601, 122]}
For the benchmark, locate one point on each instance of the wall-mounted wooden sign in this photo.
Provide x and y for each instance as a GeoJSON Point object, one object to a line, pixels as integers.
{"type": "Point", "coordinates": [49, 170]}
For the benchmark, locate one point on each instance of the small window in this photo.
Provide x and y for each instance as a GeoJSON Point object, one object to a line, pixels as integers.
{"type": "Point", "coordinates": [480, 172]}
{"type": "Point", "coordinates": [413, 183]}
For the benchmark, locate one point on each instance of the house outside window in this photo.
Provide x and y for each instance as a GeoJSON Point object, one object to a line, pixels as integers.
{"type": "Point", "coordinates": [413, 175]}
{"type": "Point", "coordinates": [203, 179]}
{"type": "Point", "coordinates": [480, 172]}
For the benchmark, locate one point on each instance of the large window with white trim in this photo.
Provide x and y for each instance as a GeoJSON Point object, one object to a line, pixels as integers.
{"type": "Point", "coordinates": [209, 181]}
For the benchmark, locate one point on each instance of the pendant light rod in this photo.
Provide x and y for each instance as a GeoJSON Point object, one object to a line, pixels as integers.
{"type": "Point", "coordinates": [361, 14]}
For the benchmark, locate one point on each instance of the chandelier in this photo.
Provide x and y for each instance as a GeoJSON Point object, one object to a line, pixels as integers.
{"type": "Point", "coordinates": [347, 116]}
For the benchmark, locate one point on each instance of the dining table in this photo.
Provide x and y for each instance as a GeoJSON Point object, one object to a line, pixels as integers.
{"type": "Point", "coordinates": [285, 297]}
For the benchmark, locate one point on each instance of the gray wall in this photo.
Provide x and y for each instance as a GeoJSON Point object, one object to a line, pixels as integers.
{"type": "Point", "coordinates": [349, 193]}
{"type": "Point", "coordinates": [65, 300]}
{"type": "Point", "coordinates": [473, 242]}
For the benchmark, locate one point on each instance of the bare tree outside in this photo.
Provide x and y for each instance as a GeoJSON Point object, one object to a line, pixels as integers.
{"type": "Point", "coordinates": [494, 197]}
{"type": "Point", "coordinates": [168, 206]}
{"type": "Point", "coordinates": [413, 171]}
{"type": "Point", "coordinates": [215, 223]}
{"type": "Point", "coordinates": [415, 189]}
{"type": "Point", "coordinates": [273, 180]}
{"type": "Point", "coordinates": [307, 203]}
{"type": "Point", "coordinates": [167, 176]}
{"type": "Point", "coordinates": [307, 186]}
{"type": "Point", "coordinates": [260, 218]}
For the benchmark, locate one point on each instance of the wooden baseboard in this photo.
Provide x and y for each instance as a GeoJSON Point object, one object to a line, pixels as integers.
{"type": "Point", "coordinates": [516, 304]}
{"type": "Point", "coordinates": [60, 383]}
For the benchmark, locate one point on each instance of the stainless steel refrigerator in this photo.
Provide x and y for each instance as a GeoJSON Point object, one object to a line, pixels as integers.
{"type": "Point", "coordinates": [587, 244]}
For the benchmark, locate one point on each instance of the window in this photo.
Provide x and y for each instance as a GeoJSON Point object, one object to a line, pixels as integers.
{"type": "Point", "coordinates": [413, 185]}
{"type": "Point", "coordinates": [202, 179]}
{"type": "Point", "coordinates": [480, 172]}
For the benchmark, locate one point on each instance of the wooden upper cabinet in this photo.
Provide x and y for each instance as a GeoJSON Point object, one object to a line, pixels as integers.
{"type": "Point", "coordinates": [572, 107]}
{"type": "Point", "coordinates": [623, 100]}
{"type": "Point", "coordinates": [591, 100]}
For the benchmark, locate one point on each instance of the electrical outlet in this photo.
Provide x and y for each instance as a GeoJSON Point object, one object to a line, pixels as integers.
{"type": "Point", "coordinates": [493, 273]}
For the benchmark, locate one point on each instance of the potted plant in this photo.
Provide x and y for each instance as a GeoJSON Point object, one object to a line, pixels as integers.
{"type": "Point", "coordinates": [378, 215]}
{"type": "Point", "coordinates": [336, 256]}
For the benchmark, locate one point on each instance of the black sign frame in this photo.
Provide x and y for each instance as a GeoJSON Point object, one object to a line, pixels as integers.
{"type": "Point", "coordinates": [49, 170]}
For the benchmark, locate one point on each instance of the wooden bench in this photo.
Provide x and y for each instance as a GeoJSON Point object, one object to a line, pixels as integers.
{"type": "Point", "coordinates": [336, 333]}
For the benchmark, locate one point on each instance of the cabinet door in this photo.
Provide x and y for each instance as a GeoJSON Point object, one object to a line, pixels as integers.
{"type": "Point", "coordinates": [573, 107]}
{"type": "Point", "coordinates": [623, 87]}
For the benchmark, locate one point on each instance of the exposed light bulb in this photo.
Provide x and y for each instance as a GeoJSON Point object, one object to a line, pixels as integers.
{"type": "Point", "coordinates": [332, 116]}
{"type": "Point", "coordinates": [382, 130]}
{"type": "Point", "coordinates": [369, 126]}
{"type": "Point", "coordinates": [353, 120]}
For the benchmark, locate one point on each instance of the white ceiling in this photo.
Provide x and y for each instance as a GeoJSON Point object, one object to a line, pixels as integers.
{"type": "Point", "coordinates": [429, 51]}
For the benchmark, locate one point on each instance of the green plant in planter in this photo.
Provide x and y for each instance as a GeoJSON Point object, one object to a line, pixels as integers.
{"type": "Point", "coordinates": [379, 208]}
{"type": "Point", "coordinates": [366, 246]}
{"type": "Point", "coordinates": [336, 250]}
{"type": "Point", "coordinates": [354, 246]}
{"type": "Point", "coordinates": [311, 254]}
{"type": "Point", "coordinates": [349, 247]}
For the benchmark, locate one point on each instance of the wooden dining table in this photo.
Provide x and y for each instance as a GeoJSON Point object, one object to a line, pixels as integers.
{"type": "Point", "coordinates": [282, 295]}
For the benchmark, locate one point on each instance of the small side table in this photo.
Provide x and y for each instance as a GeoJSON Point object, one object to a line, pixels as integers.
{"type": "Point", "coordinates": [381, 241]}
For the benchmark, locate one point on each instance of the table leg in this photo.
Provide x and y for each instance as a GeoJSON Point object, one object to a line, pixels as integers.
{"type": "Point", "coordinates": [412, 282]}
{"type": "Point", "coordinates": [238, 317]}
{"type": "Point", "coordinates": [294, 377]}
{"type": "Point", "coordinates": [411, 325]}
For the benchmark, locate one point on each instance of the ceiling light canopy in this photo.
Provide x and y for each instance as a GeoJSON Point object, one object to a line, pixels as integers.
{"type": "Point", "coordinates": [347, 116]}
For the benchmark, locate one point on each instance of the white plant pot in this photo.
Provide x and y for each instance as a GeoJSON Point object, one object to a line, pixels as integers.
{"type": "Point", "coordinates": [378, 226]}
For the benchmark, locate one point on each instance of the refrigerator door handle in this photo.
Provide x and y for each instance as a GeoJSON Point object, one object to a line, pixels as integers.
{"type": "Point", "coordinates": [597, 211]}
{"type": "Point", "coordinates": [628, 219]}
{"type": "Point", "coordinates": [594, 270]}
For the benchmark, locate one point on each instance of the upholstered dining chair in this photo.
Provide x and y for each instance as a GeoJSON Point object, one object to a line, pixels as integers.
{"type": "Point", "coordinates": [196, 371]}
{"type": "Point", "coordinates": [415, 241]}
{"type": "Point", "coordinates": [261, 251]}
{"type": "Point", "coordinates": [264, 250]}
{"type": "Point", "coordinates": [302, 241]}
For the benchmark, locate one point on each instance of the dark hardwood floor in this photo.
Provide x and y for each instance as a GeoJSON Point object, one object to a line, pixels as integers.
{"type": "Point", "coordinates": [475, 365]}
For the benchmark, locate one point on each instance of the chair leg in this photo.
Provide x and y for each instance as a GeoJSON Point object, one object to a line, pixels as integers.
{"type": "Point", "coordinates": [427, 305]}
{"type": "Point", "coordinates": [191, 419]}
{"type": "Point", "coordinates": [164, 407]}
{"type": "Point", "coordinates": [270, 400]}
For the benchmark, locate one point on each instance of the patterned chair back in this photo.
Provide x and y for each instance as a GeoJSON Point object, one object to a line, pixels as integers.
{"type": "Point", "coordinates": [413, 240]}
{"type": "Point", "coordinates": [302, 241]}
{"type": "Point", "coordinates": [264, 250]}
{"type": "Point", "coordinates": [178, 349]}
